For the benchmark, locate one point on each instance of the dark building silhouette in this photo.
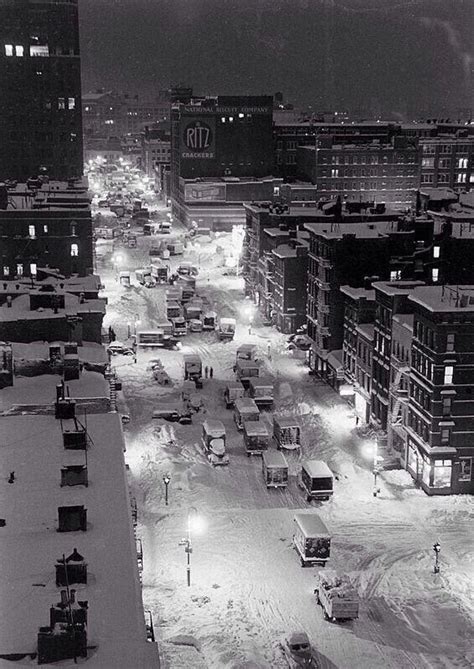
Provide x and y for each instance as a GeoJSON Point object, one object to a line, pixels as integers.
{"type": "Point", "coordinates": [40, 100]}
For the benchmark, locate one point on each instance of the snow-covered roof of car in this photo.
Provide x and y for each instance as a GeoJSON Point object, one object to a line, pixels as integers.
{"type": "Point", "coordinates": [245, 403]}
{"type": "Point", "coordinates": [212, 426]}
{"type": "Point", "coordinates": [317, 468]}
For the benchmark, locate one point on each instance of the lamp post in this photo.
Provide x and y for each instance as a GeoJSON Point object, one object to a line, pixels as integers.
{"type": "Point", "coordinates": [129, 330]}
{"type": "Point", "coordinates": [186, 542]}
{"type": "Point", "coordinates": [377, 460]}
{"type": "Point", "coordinates": [166, 481]}
{"type": "Point", "coordinates": [437, 549]}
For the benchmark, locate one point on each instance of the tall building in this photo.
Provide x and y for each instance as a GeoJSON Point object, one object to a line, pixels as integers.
{"type": "Point", "coordinates": [448, 161]}
{"type": "Point", "coordinates": [40, 99]}
{"type": "Point", "coordinates": [221, 152]}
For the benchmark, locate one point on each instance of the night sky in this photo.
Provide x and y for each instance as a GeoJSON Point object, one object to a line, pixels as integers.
{"type": "Point", "coordinates": [399, 57]}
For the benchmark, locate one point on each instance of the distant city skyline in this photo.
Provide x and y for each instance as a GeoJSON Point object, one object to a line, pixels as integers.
{"type": "Point", "coordinates": [398, 59]}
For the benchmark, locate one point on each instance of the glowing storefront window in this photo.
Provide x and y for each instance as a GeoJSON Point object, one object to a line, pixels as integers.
{"type": "Point", "coordinates": [39, 50]}
{"type": "Point", "coordinates": [442, 473]}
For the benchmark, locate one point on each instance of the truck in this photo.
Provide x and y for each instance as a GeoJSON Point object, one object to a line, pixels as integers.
{"type": "Point", "coordinates": [245, 370]}
{"type": "Point", "coordinates": [164, 227]}
{"type": "Point", "coordinates": [233, 391]}
{"type": "Point", "coordinates": [226, 328]}
{"type": "Point", "coordinates": [173, 310]}
{"type": "Point", "coordinates": [160, 272]}
{"type": "Point", "coordinates": [257, 437]}
{"type": "Point", "coordinates": [246, 352]}
{"type": "Point", "coordinates": [179, 326]}
{"type": "Point", "coordinates": [156, 338]}
{"type": "Point", "coordinates": [143, 275]}
{"type": "Point", "coordinates": [176, 248]}
{"type": "Point", "coordinates": [245, 410]}
{"type": "Point", "coordinates": [311, 539]}
{"type": "Point", "coordinates": [286, 432]}
{"type": "Point", "coordinates": [192, 367]}
{"type": "Point", "coordinates": [316, 479]}
{"type": "Point", "coordinates": [337, 597]}
{"type": "Point", "coordinates": [192, 310]}
{"type": "Point", "coordinates": [261, 391]}
{"type": "Point", "coordinates": [209, 320]}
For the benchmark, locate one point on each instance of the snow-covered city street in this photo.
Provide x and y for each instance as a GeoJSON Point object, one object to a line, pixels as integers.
{"type": "Point", "coordinates": [248, 590]}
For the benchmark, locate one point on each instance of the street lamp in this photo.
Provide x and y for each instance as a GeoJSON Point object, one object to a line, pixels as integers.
{"type": "Point", "coordinates": [437, 549]}
{"type": "Point", "coordinates": [372, 451]}
{"type": "Point", "coordinates": [194, 524]}
{"type": "Point", "coordinates": [166, 481]}
{"type": "Point", "coordinates": [129, 331]}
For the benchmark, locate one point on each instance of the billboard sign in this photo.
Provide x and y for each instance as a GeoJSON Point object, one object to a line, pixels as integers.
{"type": "Point", "coordinates": [199, 192]}
{"type": "Point", "coordinates": [198, 138]}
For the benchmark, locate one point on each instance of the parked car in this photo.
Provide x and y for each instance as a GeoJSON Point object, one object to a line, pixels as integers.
{"type": "Point", "coordinates": [298, 651]}
{"type": "Point", "coordinates": [174, 413]}
{"type": "Point", "coordinates": [117, 348]}
{"type": "Point", "coordinates": [316, 479]}
{"type": "Point", "coordinates": [275, 469]}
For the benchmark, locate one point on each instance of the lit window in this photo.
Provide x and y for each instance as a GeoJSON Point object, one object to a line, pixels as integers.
{"type": "Point", "coordinates": [241, 116]}
{"type": "Point", "coordinates": [435, 274]}
{"type": "Point", "coordinates": [334, 173]}
{"type": "Point", "coordinates": [61, 104]}
{"type": "Point", "coordinates": [462, 163]}
{"type": "Point", "coordinates": [395, 275]}
{"type": "Point", "coordinates": [19, 269]}
{"type": "Point", "coordinates": [8, 49]}
{"type": "Point", "coordinates": [33, 269]}
{"type": "Point", "coordinates": [71, 103]}
{"type": "Point", "coordinates": [445, 436]}
{"type": "Point", "coordinates": [37, 50]}
{"type": "Point", "coordinates": [435, 251]}
{"type": "Point", "coordinates": [461, 178]}
{"type": "Point", "coordinates": [31, 231]}
{"type": "Point", "coordinates": [231, 119]}
{"type": "Point", "coordinates": [19, 50]}
{"type": "Point", "coordinates": [6, 270]}
{"type": "Point", "coordinates": [448, 374]}
{"type": "Point", "coordinates": [276, 190]}
{"type": "Point", "coordinates": [465, 469]}
{"type": "Point", "coordinates": [45, 228]}
{"type": "Point", "coordinates": [74, 250]}
{"type": "Point", "coordinates": [450, 341]}
{"type": "Point", "coordinates": [109, 122]}
{"type": "Point", "coordinates": [87, 108]}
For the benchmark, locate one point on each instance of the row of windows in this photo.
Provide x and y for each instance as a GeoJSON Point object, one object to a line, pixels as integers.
{"type": "Point", "coordinates": [426, 336]}
{"type": "Point", "coordinates": [461, 163]}
{"type": "Point", "coordinates": [445, 148]}
{"type": "Point", "coordinates": [18, 50]}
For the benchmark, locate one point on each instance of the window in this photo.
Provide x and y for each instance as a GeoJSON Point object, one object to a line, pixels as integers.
{"type": "Point", "coordinates": [19, 270]}
{"type": "Point", "coordinates": [450, 341]}
{"type": "Point", "coordinates": [461, 178]}
{"type": "Point", "coordinates": [61, 104]}
{"type": "Point", "coordinates": [427, 178]}
{"type": "Point", "coordinates": [33, 269]}
{"type": "Point", "coordinates": [37, 50]}
{"type": "Point", "coordinates": [427, 162]}
{"type": "Point", "coordinates": [334, 173]}
{"type": "Point", "coordinates": [6, 270]}
{"type": "Point", "coordinates": [45, 228]}
{"type": "Point", "coordinates": [447, 404]}
{"type": "Point", "coordinates": [31, 231]}
{"type": "Point", "coordinates": [19, 51]}
{"type": "Point", "coordinates": [442, 473]}
{"type": "Point", "coordinates": [8, 49]}
{"type": "Point", "coordinates": [291, 160]}
{"type": "Point", "coordinates": [231, 119]}
{"type": "Point", "coordinates": [462, 163]}
{"type": "Point", "coordinates": [436, 251]}
{"type": "Point", "coordinates": [448, 374]}
{"type": "Point", "coordinates": [444, 163]}
{"type": "Point", "coordinates": [395, 275]}
{"type": "Point", "coordinates": [443, 178]}
{"type": "Point", "coordinates": [71, 103]}
{"type": "Point", "coordinates": [435, 274]}
{"type": "Point", "coordinates": [74, 250]}
{"type": "Point", "coordinates": [465, 469]}
{"type": "Point", "coordinates": [445, 434]}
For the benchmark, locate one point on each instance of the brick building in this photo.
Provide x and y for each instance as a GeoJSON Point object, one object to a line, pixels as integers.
{"type": "Point", "coordinates": [380, 172]}
{"type": "Point", "coordinates": [448, 161]}
{"type": "Point", "coordinates": [288, 277]}
{"type": "Point", "coordinates": [440, 426]}
{"type": "Point", "coordinates": [40, 99]}
{"type": "Point", "coordinates": [45, 225]}
{"type": "Point", "coordinates": [216, 138]}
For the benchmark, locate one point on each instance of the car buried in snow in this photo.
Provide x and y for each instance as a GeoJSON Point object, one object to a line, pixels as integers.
{"type": "Point", "coordinates": [213, 442]}
{"type": "Point", "coordinates": [298, 652]}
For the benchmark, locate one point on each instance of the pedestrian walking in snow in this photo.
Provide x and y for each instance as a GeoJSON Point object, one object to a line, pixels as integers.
{"type": "Point", "coordinates": [206, 371]}
{"type": "Point", "coordinates": [357, 421]}
{"type": "Point", "coordinates": [11, 478]}
{"type": "Point", "coordinates": [211, 373]}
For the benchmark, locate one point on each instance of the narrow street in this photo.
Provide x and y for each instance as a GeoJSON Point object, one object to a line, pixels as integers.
{"type": "Point", "coordinates": [248, 589]}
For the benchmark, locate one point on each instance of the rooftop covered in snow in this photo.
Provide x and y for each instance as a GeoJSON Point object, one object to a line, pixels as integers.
{"type": "Point", "coordinates": [452, 299]}
{"type": "Point", "coordinates": [30, 546]}
{"type": "Point", "coordinates": [48, 195]}
{"type": "Point", "coordinates": [369, 230]}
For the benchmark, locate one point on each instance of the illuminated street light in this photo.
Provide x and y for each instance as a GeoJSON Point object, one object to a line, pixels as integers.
{"type": "Point", "coordinates": [437, 549]}
{"type": "Point", "coordinates": [166, 481]}
{"type": "Point", "coordinates": [371, 451]}
{"type": "Point", "coordinates": [194, 524]}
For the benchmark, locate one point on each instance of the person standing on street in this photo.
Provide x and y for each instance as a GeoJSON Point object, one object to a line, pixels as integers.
{"type": "Point", "coordinates": [211, 373]}
{"type": "Point", "coordinates": [206, 371]}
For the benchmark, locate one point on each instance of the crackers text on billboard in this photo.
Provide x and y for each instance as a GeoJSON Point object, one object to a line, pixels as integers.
{"type": "Point", "coordinates": [197, 139]}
